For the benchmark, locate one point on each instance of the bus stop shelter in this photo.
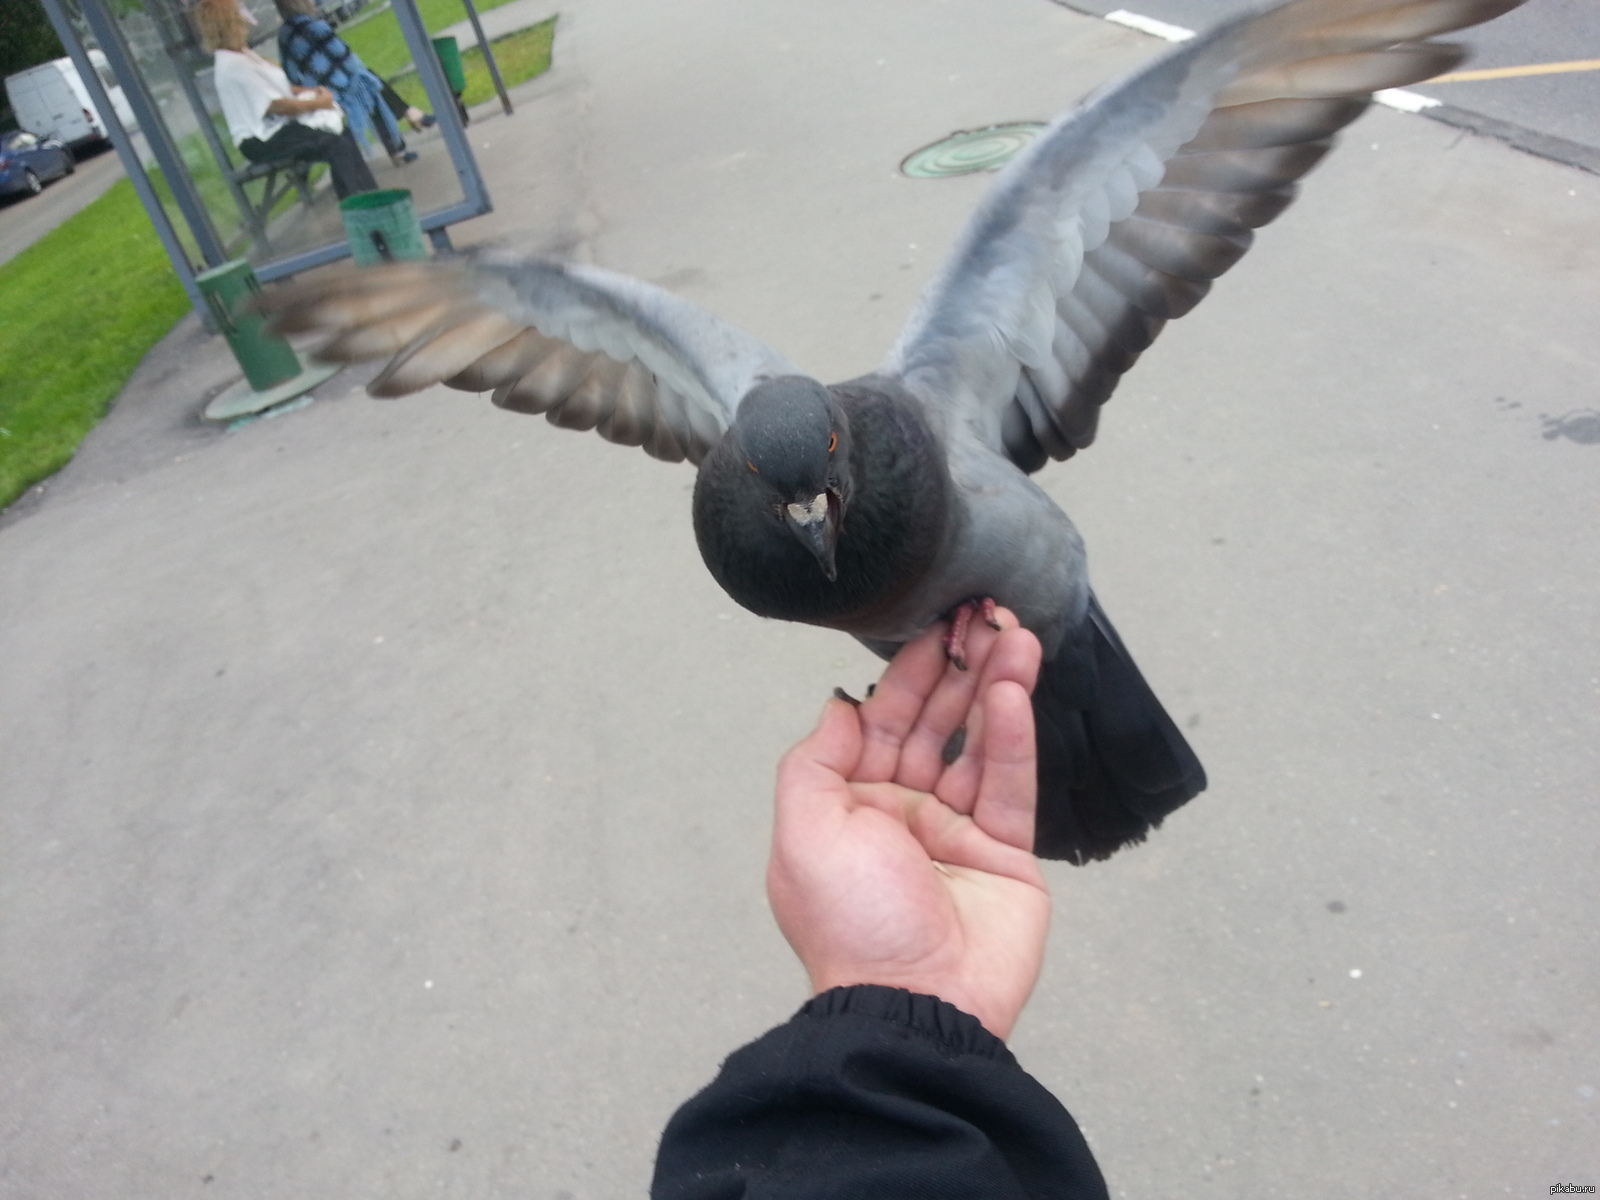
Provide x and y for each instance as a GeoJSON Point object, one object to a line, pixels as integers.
{"type": "Point", "coordinates": [209, 204]}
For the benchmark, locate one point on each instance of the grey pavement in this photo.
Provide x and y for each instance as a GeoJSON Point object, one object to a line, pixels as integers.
{"type": "Point", "coordinates": [385, 786]}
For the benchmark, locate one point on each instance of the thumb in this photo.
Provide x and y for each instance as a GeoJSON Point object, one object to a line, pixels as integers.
{"type": "Point", "coordinates": [812, 776]}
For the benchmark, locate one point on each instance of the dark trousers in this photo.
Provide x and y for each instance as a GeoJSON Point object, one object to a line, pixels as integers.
{"type": "Point", "coordinates": [397, 104]}
{"type": "Point", "coordinates": [350, 171]}
{"type": "Point", "coordinates": [392, 142]}
{"type": "Point", "coordinates": [392, 100]}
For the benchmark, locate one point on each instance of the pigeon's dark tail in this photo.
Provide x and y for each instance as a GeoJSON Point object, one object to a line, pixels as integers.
{"type": "Point", "coordinates": [1112, 764]}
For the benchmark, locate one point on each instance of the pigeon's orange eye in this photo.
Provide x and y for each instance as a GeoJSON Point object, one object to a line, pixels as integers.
{"type": "Point", "coordinates": [833, 442]}
{"type": "Point", "coordinates": [752, 466]}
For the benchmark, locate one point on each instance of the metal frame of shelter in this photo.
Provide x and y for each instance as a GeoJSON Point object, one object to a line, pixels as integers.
{"type": "Point", "coordinates": [180, 180]}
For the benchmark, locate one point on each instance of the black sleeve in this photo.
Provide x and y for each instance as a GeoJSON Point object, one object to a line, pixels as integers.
{"type": "Point", "coordinates": [875, 1092]}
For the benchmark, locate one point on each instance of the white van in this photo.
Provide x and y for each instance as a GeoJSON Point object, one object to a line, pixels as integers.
{"type": "Point", "coordinates": [51, 101]}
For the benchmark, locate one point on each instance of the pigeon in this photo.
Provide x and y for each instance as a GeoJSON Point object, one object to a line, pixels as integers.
{"type": "Point", "coordinates": [885, 504]}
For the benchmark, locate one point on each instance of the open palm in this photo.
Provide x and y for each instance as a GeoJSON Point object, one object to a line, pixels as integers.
{"type": "Point", "coordinates": [891, 866]}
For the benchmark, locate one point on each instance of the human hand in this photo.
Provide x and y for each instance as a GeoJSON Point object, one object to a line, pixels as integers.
{"type": "Point", "coordinates": [889, 866]}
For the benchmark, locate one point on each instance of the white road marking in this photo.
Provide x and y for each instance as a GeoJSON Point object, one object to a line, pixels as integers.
{"type": "Point", "coordinates": [1405, 101]}
{"type": "Point", "coordinates": [1144, 24]}
{"type": "Point", "coordinates": [1398, 98]}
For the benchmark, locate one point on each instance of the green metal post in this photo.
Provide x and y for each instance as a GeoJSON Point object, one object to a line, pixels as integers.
{"type": "Point", "coordinates": [267, 359]}
{"type": "Point", "coordinates": [488, 54]}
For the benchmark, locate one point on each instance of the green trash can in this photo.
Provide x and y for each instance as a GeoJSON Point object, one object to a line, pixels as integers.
{"type": "Point", "coordinates": [267, 359]}
{"type": "Point", "coordinates": [382, 227]}
{"type": "Point", "coordinates": [449, 52]}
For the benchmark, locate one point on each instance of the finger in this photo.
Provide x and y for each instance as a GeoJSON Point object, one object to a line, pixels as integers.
{"type": "Point", "coordinates": [949, 708]}
{"type": "Point", "coordinates": [811, 777]}
{"type": "Point", "coordinates": [1015, 657]}
{"type": "Point", "coordinates": [891, 712]}
{"type": "Point", "coordinates": [1008, 792]}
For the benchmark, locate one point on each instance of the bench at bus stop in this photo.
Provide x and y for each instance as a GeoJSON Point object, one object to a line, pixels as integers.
{"type": "Point", "coordinates": [281, 176]}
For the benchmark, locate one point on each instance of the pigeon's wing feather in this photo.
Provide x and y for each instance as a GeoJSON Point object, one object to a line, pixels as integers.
{"type": "Point", "coordinates": [587, 347]}
{"type": "Point", "coordinates": [1123, 211]}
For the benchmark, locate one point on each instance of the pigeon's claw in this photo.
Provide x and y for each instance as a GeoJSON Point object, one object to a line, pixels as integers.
{"type": "Point", "coordinates": [955, 638]}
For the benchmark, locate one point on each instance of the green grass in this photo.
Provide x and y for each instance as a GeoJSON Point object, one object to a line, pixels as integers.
{"type": "Point", "coordinates": [521, 56]}
{"type": "Point", "coordinates": [78, 310]}
{"type": "Point", "coordinates": [380, 44]}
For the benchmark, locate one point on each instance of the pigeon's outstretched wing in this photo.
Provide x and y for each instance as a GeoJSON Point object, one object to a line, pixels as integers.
{"type": "Point", "coordinates": [589, 348]}
{"type": "Point", "coordinates": [1121, 214]}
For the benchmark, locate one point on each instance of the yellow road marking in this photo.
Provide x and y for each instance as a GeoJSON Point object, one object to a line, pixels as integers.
{"type": "Point", "coordinates": [1587, 64]}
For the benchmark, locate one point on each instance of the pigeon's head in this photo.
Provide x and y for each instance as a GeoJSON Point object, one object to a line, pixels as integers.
{"type": "Point", "coordinates": [796, 443]}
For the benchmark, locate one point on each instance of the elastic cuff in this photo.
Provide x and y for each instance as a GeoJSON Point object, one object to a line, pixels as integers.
{"type": "Point", "coordinates": [954, 1031]}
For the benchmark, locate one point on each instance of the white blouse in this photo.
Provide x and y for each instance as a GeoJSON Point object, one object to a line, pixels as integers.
{"type": "Point", "coordinates": [246, 84]}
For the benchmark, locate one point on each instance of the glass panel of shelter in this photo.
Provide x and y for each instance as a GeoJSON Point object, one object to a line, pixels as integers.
{"type": "Point", "coordinates": [258, 213]}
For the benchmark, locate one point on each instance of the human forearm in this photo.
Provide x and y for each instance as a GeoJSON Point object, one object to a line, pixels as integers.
{"type": "Point", "coordinates": [304, 101]}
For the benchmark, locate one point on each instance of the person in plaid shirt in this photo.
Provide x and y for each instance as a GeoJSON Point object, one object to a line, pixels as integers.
{"type": "Point", "coordinates": [313, 55]}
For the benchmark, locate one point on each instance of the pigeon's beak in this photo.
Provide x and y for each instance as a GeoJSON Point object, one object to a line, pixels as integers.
{"type": "Point", "coordinates": [816, 524]}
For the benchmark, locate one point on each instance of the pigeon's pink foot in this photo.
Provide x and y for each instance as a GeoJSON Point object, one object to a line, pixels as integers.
{"type": "Point", "coordinates": [955, 638]}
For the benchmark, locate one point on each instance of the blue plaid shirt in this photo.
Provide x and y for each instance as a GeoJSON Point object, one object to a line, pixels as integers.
{"type": "Point", "coordinates": [315, 56]}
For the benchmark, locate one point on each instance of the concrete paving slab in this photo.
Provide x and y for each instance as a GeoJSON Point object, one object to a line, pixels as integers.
{"type": "Point", "coordinates": [385, 786]}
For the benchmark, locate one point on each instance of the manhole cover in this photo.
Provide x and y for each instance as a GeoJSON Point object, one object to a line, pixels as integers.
{"type": "Point", "coordinates": [971, 150]}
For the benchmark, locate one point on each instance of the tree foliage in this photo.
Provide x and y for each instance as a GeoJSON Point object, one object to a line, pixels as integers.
{"type": "Point", "coordinates": [26, 36]}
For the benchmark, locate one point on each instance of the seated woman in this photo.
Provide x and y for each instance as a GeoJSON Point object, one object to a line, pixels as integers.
{"type": "Point", "coordinates": [313, 55]}
{"type": "Point", "coordinates": [270, 120]}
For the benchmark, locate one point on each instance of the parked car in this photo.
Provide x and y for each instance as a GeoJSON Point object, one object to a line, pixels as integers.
{"type": "Point", "coordinates": [27, 161]}
{"type": "Point", "coordinates": [51, 99]}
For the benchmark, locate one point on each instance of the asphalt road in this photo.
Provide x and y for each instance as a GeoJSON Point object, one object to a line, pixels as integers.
{"type": "Point", "coordinates": [384, 787]}
{"type": "Point", "coordinates": [1542, 31]}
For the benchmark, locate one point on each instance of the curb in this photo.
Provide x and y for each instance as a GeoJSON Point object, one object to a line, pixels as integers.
{"type": "Point", "coordinates": [1519, 137]}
